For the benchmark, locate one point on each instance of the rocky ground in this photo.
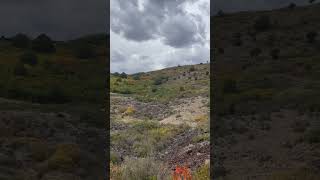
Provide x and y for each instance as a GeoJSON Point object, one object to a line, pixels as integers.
{"type": "Point", "coordinates": [173, 131]}
{"type": "Point", "coordinates": [49, 145]}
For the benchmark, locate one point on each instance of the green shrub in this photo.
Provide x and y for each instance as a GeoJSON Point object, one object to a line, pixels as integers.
{"type": "Point", "coordinates": [203, 173]}
{"type": "Point", "coordinates": [160, 80]}
{"type": "Point", "coordinates": [123, 75]}
{"type": "Point", "coordinates": [142, 169]}
{"type": "Point", "coordinates": [29, 58]}
{"type": "Point", "coordinates": [65, 157]}
{"type": "Point", "coordinates": [192, 68]}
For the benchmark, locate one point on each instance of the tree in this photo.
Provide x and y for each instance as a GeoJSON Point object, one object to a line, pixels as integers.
{"type": "Point", "coordinates": [43, 44]}
{"type": "Point", "coordinates": [124, 75]}
{"type": "Point", "coordinates": [21, 41]}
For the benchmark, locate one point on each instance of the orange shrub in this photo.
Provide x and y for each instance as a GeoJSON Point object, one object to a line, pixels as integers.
{"type": "Point", "coordinates": [182, 173]}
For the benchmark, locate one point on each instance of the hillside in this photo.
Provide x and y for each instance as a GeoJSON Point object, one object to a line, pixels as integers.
{"type": "Point", "coordinates": [160, 119]}
{"type": "Point", "coordinates": [50, 108]}
{"type": "Point", "coordinates": [266, 94]}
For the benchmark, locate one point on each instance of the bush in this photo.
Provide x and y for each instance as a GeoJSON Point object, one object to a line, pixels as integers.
{"type": "Point", "coordinates": [203, 173]}
{"type": "Point", "coordinates": [65, 157]}
{"type": "Point", "coordinates": [311, 36]}
{"type": "Point", "coordinates": [21, 41]}
{"type": "Point", "coordinates": [142, 169]}
{"type": "Point", "coordinates": [160, 80]}
{"type": "Point", "coordinates": [262, 23]}
{"type": "Point", "coordinates": [192, 68]}
{"type": "Point", "coordinates": [43, 44]}
{"type": "Point", "coordinates": [20, 70]}
{"type": "Point", "coordinates": [275, 53]}
{"type": "Point", "coordinates": [123, 75]}
{"type": "Point", "coordinates": [29, 58]}
{"type": "Point", "coordinates": [182, 88]}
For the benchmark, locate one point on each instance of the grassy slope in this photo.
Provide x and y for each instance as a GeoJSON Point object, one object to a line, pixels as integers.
{"type": "Point", "coordinates": [58, 70]}
{"type": "Point", "coordinates": [177, 85]}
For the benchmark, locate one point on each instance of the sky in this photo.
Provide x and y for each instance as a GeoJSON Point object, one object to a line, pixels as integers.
{"type": "Point", "coordinates": [148, 35]}
{"type": "Point", "coordinates": [60, 19]}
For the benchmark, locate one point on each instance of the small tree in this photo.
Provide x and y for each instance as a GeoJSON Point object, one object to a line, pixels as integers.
{"type": "Point", "coordinates": [29, 58]}
{"type": "Point", "coordinates": [123, 75]}
{"type": "Point", "coordinates": [21, 41]}
{"type": "Point", "coordinates": [192, 68]}
{"type": "Point", "coordinates": [43, 44]}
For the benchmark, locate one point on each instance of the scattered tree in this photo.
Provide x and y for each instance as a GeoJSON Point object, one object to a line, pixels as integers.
{"type": "Point", "coordinates": [123, 75]}
{"type": "Point", "coordinates": [43, 44]}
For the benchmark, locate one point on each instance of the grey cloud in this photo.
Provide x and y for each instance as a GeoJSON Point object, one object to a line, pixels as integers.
{"type": "Point", "coordinates": [61, 19]}
{"type": "Point", "coordinates": [159, 19]}
{"type": "Point", "coordinates": [179, 31]}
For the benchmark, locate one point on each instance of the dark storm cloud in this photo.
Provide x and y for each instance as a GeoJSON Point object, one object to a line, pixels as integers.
{"type": "Point", "coordinates": [61, 19]}
{"type": "Point", "coordinates": [247, 5]}
{"type": "Point", "coordinates": [150, 19]}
